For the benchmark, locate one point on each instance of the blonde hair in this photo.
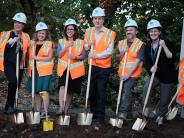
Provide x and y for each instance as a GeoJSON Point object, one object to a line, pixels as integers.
{"type": "Point", "coordinates": [47, 38]}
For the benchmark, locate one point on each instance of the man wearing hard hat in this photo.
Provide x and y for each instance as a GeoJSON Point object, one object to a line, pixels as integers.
{"type": "Point", "coordinates": [130, 56]}
{"type": "Point", "coordinates": [12, 43]}
{"type": "Point", "coordinates": [100, 41]}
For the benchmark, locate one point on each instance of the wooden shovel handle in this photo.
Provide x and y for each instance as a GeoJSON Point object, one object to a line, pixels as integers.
{"type": "Point", "coordinates": [33, 76]}
{"type": "Point", "coordinates": [89, 78]}
{"type": "Point", "coordinates": [152, 78]}
{"type": "Point", "coordinates": [121, 84]}
{"type": "Point", "coordinates": [175, 95]}
{"type": "Point", "coordinates": [17, 75]}
{"type": "Point", "coordinates": [67, 77]}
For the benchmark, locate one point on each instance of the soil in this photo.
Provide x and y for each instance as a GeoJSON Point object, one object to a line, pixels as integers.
{"type": "Point", "coordinates": [171, 129]}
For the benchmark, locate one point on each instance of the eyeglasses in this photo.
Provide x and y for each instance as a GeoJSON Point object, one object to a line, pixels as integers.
{"type": "Point", "coordinates": [70, 29]}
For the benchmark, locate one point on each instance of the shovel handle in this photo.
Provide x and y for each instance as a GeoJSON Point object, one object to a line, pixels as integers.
{"type": "Point", "coordinates": [33, 76]}
{"type": "Point", "coordinates": [17, 75]}
{"type": "Point", "coordinates": [67, 76]}
{"type": "Point", "coordinates": [121, 84]}
{"type": "Point", "coordinates": [152, 78]}
{"type": "Point", "coordinates": [175, 95]}
{"type": "Point", "coordinates": [89, 78]}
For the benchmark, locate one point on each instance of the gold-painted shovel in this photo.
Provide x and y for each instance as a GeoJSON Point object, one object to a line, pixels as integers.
{"type": "Point", "coordinates": [48, 124]}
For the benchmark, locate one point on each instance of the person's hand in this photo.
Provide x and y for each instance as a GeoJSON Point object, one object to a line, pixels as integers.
{"type": "Point", "coordinates": [162, 43]}
{"type": "Point", "coordinates": [32, 43]}
{"type": "Point", "coordinates": [71, 56]}
{"type": "Point", "coordinates": [125, 77]}
{"type": "Point", "coordinates": [70, 44]}
{"type": "Point", "coordinates": [153, 69]}
{"type": "Point", "coordinates": [125, 49]}
{"type": "Point", "coordinates": [92, 54]}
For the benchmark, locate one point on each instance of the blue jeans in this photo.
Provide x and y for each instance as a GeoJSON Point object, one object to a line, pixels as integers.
{"type": "Point", "coordinates": [126, 97]}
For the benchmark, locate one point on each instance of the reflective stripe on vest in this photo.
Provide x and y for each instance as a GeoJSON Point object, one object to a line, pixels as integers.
{"type": "Point", "coordinates": [4, 36]}
{"type": "Point", "coordinates": [107, 38]}
{"type": "Point", "coordinates": [135, 47]}
{"type": "Point", "coordinates": [130, 64]}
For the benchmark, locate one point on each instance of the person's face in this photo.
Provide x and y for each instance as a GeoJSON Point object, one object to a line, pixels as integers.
{"type": "Point", "coordinates": [41, 35]}
{"type": "Point", "coordinates": [130, 32]}
{"type": "Point", "coordinates": [70, 31]}
{"type": "Point", "coordinates": [18, 26]}
{"type": "Point", "coordinates": [154, 33]}
{"type": "Point", "coordinates": [98, 21]}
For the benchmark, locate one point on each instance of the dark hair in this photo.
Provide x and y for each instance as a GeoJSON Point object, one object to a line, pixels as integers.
{"type": "Point", "coordinates": [75, 36]}
{"type": "Point", "coordinates": [35, 38]}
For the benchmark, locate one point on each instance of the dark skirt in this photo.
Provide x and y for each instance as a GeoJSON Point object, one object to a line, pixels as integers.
{"type": "Point", "coordinates": [41, 83]}
{"type": "Point", "coordinates": [74, 85]}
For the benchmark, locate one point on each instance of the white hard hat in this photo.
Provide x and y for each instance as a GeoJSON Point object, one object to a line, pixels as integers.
{"type": "Point", "coordinates": [153, 24]}
{"type": "Point", "coordinates": [98, 12]}
{"type": "Point", "coordinates": [41, 26]}
{"type": "Point", "coordinates": [70, 22]}
{"type": "Point", "coordinates": [130, 22]}
{"type": "Point", "coordinates": [20, 17]}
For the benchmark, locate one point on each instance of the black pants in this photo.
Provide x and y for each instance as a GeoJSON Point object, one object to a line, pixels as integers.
{"type": "Point", "coordinates": [10, 72]}
{"type": "Point", "coordinates": [98, 82]}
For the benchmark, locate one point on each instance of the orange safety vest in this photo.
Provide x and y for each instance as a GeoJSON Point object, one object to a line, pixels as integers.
{"type": "Point", "coordinates": [103, 43]}
{"type": "Point", "coordinates": [3, 41]}
{"type": "Point", "coordinates": [180, 96]}
{"type": "Point", "coordinates": [77, 68]}
{"type": "Point", "coordinates": [44, 68]}
{"type": "Point", "coordinates": [131, 57]}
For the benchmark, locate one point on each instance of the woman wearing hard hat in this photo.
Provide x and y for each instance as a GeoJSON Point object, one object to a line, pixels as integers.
{"type": "Point", "coordinates": [70, 47]}
{"type": "Point", "coordinates": [41, 57]}
{"type": "Point", "coordinates": [166, 75]}
{"type": "Point", "coordinates": [13, 45]}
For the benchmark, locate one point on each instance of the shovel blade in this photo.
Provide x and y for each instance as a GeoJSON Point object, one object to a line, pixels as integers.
{"type": "Point", "coordinates": [48, 125]}
{"type": "Point", "coordinates": [84, 119]}
{"type": "Point", "coordinates": [139, 124]}
{"type": "Point", "coordinates": [17, 118]}
{"type": "Point", "coordinates": [172, 113]}
{"type": "Point", "coordinates": [116, 122]}
{"type": "Point", "coordinates": [64, 120]}
{"type": "Point", "coordinates": [33, 118]}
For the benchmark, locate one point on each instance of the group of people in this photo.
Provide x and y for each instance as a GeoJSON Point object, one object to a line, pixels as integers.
{"type": "Point", "coordinates": [98, 44]}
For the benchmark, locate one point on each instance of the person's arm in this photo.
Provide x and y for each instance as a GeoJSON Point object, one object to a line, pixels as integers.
{"type": "Point", "coordinates": [167, 52]}
{"type": "Point", "coordinates": [106, 52]}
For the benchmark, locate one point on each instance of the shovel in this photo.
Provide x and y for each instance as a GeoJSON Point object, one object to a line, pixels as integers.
{"type": "Point", "coordinates": [48, 124]}
{"type": "Point", "coordinates": [85, 118]}
{"type": "Point", "coordinates": [118, 122]}
{"type": "Point", "coordinates": [17, 118]}
{"type": "Point", "coordinates": [140, 123]}
{"type": "Point", "coordinates": [33, 117]}
{"type": "Point", "coordinates": [172, 111]}
{"type": "Point", "coordinates": [64, 120]}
